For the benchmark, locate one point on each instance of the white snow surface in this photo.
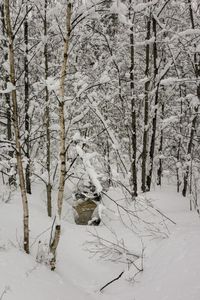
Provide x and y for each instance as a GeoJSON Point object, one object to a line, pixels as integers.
{"type": "Point", "coordinates": [171, 265]}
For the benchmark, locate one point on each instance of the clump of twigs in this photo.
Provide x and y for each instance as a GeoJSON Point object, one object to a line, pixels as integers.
{"type": "Point", "coordinates": [129, 225]}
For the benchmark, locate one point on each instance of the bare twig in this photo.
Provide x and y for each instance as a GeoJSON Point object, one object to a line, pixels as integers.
{"type": "Point", "coordinates": [162, 214]}
{"type": "Point", "coordinates": [40, 235]}
{"type": "Point", "coordinates": [6, 289]}
{"type": "Point", "coordinates": [120, 275]}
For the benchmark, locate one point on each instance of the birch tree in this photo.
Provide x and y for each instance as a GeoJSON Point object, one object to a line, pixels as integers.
{"type": "Point", "coordinates": [15, 116]}
{"type": "Point", "coordinates": [56, 238]}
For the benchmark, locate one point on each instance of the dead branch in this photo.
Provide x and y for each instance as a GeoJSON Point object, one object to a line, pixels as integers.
{"type": "Point", "coordinates": [120, 275]}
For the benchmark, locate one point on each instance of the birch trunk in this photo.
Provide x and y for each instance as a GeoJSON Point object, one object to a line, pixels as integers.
{"type": "Point", "coordinates": [16, 126]}
{"type": "Point", "coordinates": [55, 242]}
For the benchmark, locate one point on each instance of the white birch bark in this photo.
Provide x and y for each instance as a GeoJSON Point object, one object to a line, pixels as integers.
{"type": "Point", "coordinates": [55, 242]}
{"type": "Point", "coordinates": [16, 126]}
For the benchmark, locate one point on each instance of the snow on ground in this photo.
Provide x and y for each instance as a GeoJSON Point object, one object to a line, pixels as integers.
{"type": "Point", "coordinates": [172, 269]}
{"type": "Point", "coordinates": [171, 265]}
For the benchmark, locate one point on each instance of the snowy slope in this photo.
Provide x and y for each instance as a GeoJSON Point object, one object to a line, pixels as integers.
{"type": "Point", "coordinates": [171, 266]}
{"type": "Point", "coordinates": [172, 269]}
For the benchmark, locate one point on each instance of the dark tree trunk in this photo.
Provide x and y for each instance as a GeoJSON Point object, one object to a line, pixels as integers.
{"type": "Point", "coordinates": [160, 166]}
{"type": "Point", "coordinates": [154, 121]}
{"type": "Point", "coordinates": [178, 179]}
{"type": "Point", "coordinates": [146, 107]}
{"type": "Point", "coordinates": [47, 120]}
{"type": "Point", "coordinates": [26, 100]}
{"type": "Point", "coordinates": [195, 110]}
{"type": "Point", "coordinates": [12, 178]}
{"type": "Point", "coordinates": [133, 113]}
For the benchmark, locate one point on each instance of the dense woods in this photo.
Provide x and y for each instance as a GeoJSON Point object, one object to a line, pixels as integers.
{"type": "Point", "coordinates": [106, 88]}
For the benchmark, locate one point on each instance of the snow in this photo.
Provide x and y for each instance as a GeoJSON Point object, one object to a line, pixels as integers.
{"type": "Point", "coordinates": [194, 100]}
{"type": "Point", "coordinates": [171, 270]}
{"type": "Point", "coordinates": [110, 132]}
{"type": "Point", "coordinates": [140, 7]}
{"type": "Point", "coordinates": [168, 121]}
{"type": "Point", "coordinates": [119, 8]}
{"type": "Point", "coordinates": [171, 265]}
{"type": "Point", "coordinates": [9, 89]}
{"type": "Point", "coordinates": [52, 83]}
{"type": "Point", "coordinates": [89, 168]}
{"type": "Point", "coordinates": [186, 33]}
{"type": "Point", "coordinates": [198, 48]}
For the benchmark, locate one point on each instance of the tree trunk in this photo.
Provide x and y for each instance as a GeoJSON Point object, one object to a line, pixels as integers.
{"type": "Point", "coordinates": [146, 106]}
{"type": "Point", "coordinates": [195, 111]}
{"type": "Point", "coordinates": [182, 93]}
{"type": "Point", "coordinates": [47, 120]}
{"type": "Point", "coordinates": [12, 178]}
{"type": "Point", "coordinates": [160, 167]}
{"type": "Point", "coordinates": [55, 242]}
{"type": "Point", "coordinates": [133, 113]}
{"type": "Point", "coordinates": [154, 122]}
{"type": "Point", "coordinates": [16, 127]}
{"type": "Point", "coordinates": [26, 101]}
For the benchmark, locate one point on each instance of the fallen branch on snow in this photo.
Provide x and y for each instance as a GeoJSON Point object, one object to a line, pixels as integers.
{"type": "Point", "coordinates": [120, 275]}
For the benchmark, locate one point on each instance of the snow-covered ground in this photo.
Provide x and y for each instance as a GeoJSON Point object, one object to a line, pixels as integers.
{"type": "Point", "coordinates": [171, 265]}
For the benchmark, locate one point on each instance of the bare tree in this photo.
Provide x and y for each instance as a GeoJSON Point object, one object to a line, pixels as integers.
{"type": "Point", "coordinates": [55, 242]}
{"type": "Point", "coordinates": [47, 117]}
{"type": "Point", "coordinates": [155, 107]}
{"type": "Point", "coordinates": [146, 105]}
{"type": "Point", "coordinates": [12, 178]}
{"type": "Point", "coordinates": [26, 101]}
{"type": "Point", "coordinates": [16, 125]}
{"type": "Point", "coordinates": [196, 63]}
{"type": "Point", "coordinates": [133, 110]}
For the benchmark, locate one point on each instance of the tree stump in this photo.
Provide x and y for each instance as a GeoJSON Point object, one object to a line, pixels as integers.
{"type": "Point", "coordinates": [84, 210]}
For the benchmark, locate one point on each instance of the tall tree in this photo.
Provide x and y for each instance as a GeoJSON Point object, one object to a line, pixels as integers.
{"type": "Point", "coordinates": [11, 179]}
{"type": "Point", "coordinates": [196, 62]}
{"type": "Point", "coordinates": [47, 117]}
{"type": "Point", "coordinates": [155, 105]}
{"type": "Point", "coordinates": [146, 103]}
{"type": "Point", "coordinates": [55, 242]}
{"type": "Point", "coordinates": [26, 101]}
{"type": "Point", "coordinates": [15, 117]}
{"type": "Point", "coordinates": [133, 106]}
